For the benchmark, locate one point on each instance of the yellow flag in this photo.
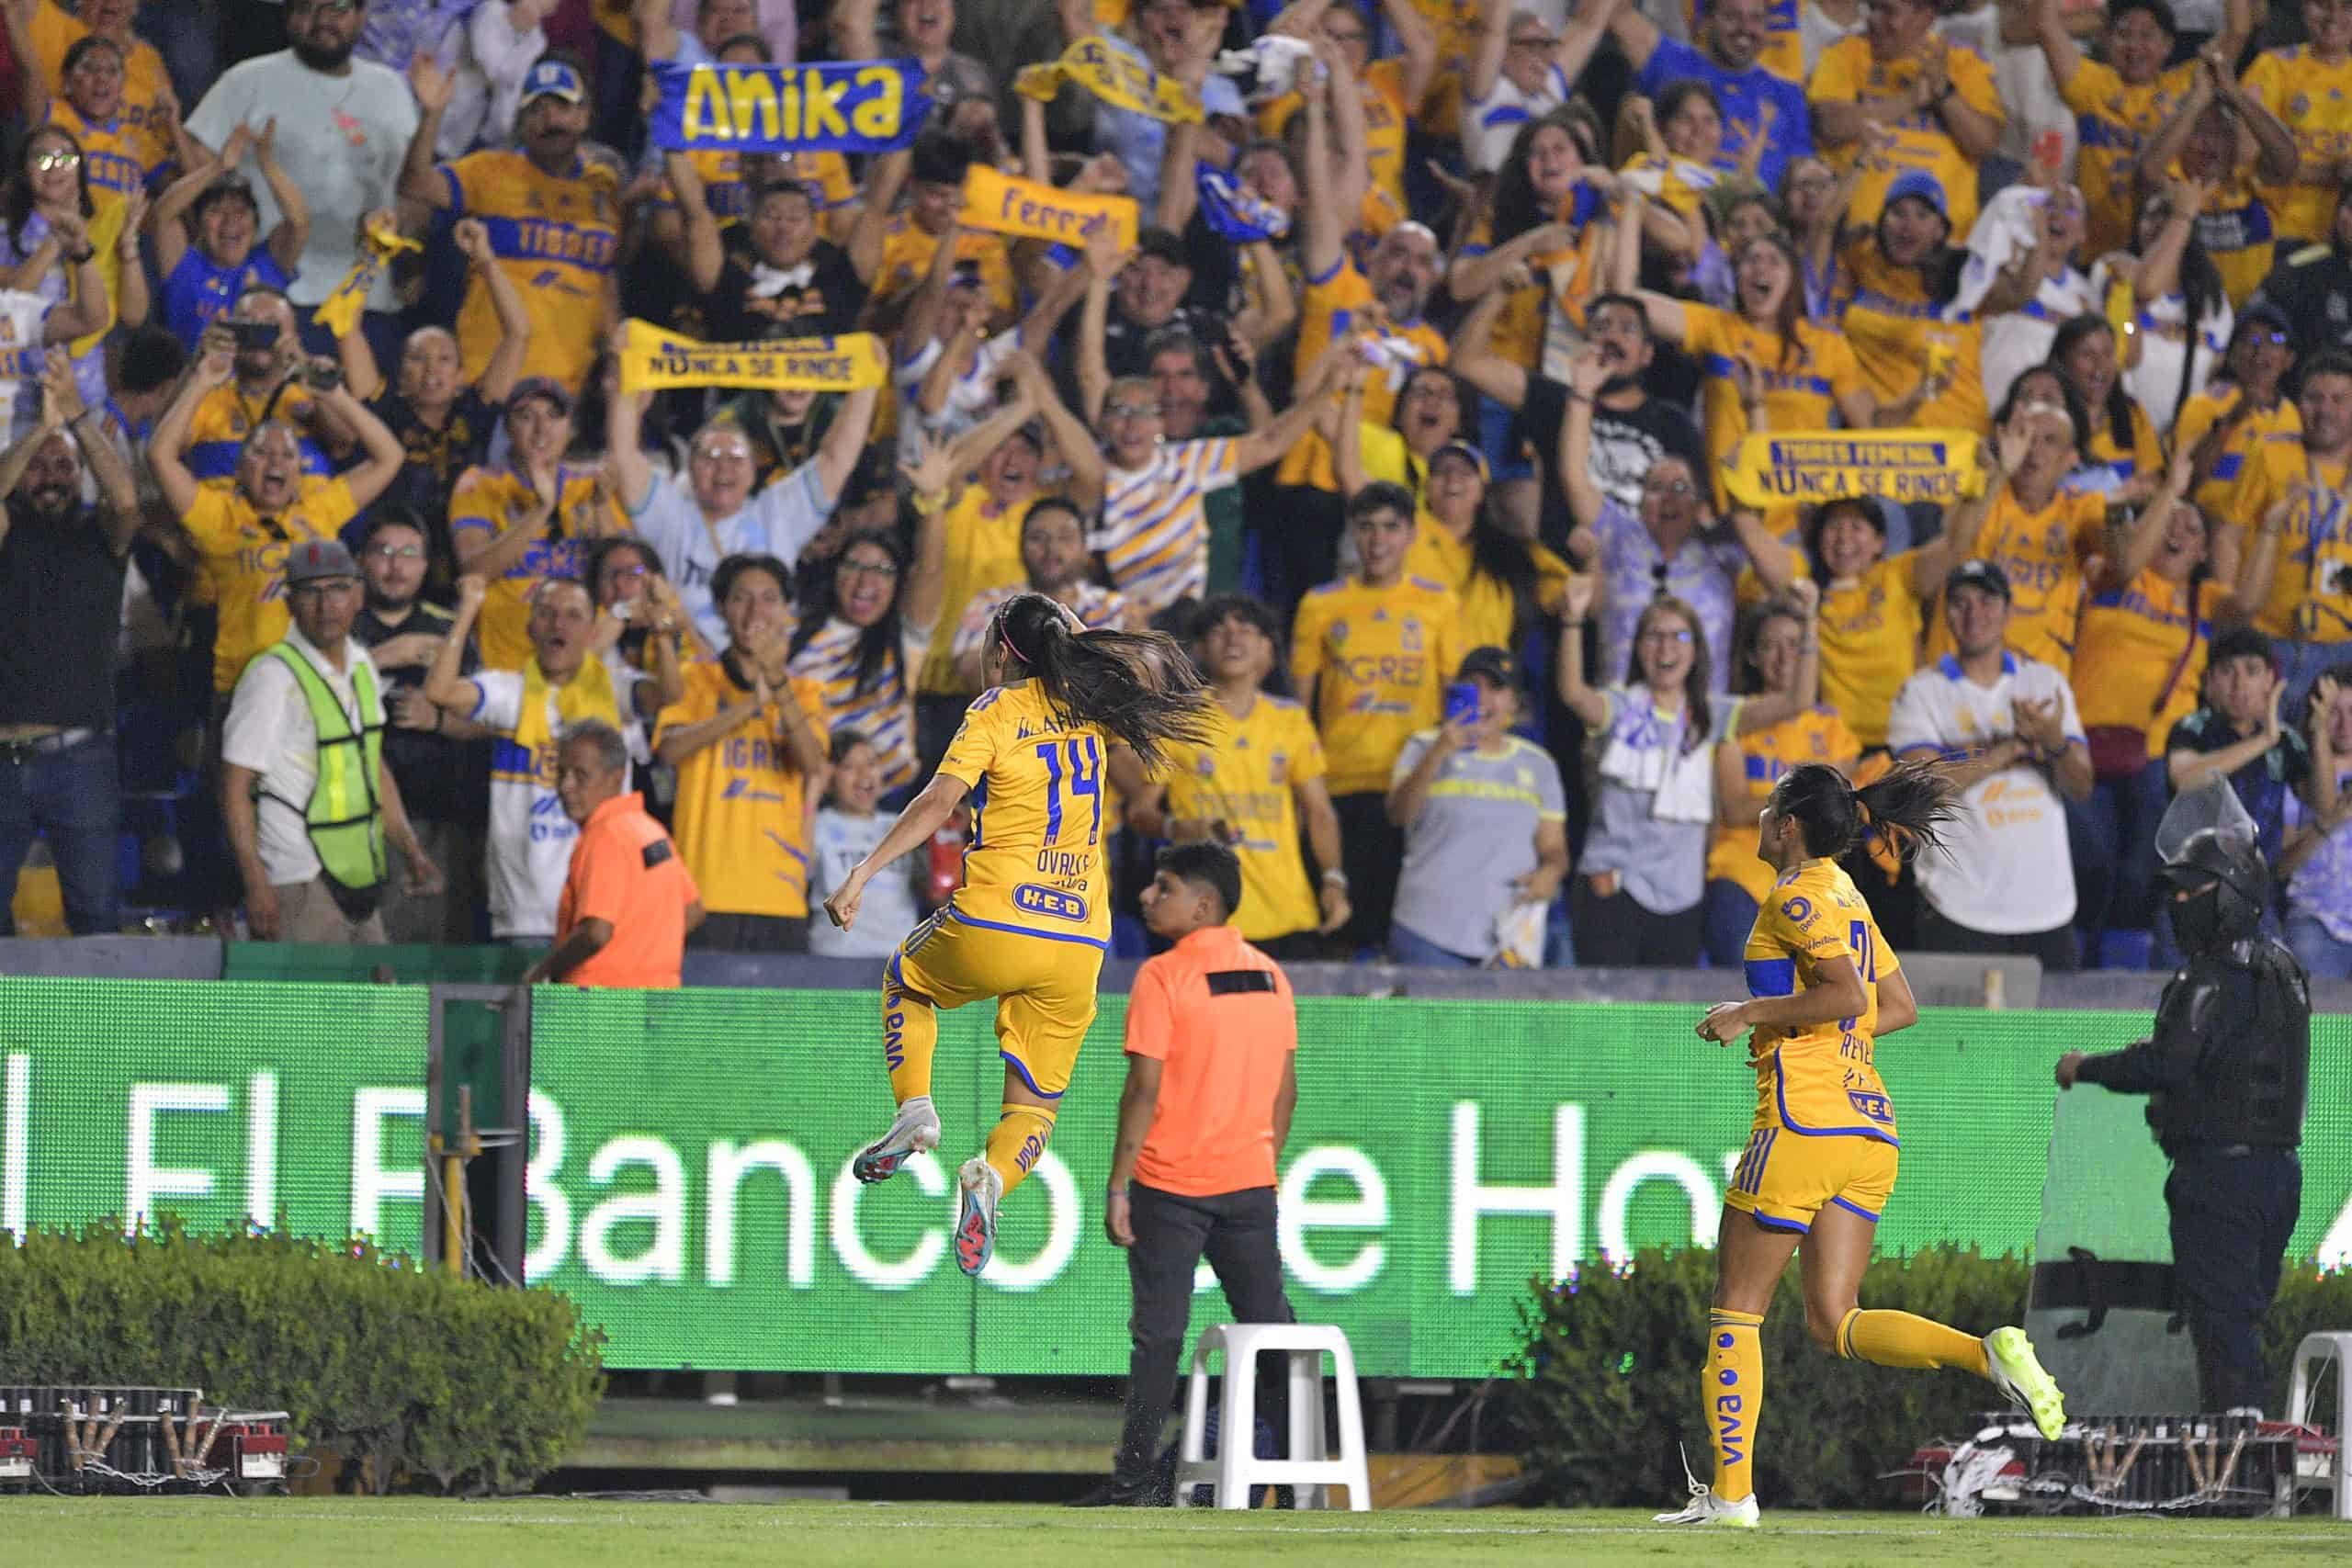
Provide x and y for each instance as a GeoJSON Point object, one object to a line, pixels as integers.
{"type": "Point", "coordinates": [655, 360]}
{"type": "Point", "coordinates": [1115, 77]}
{"type": "Point", "coordinates": [1807, 468]}
{"type": "Point", "coordinates": [1006, 204]}
{"type": "Point", "coordinates": [339, 311]}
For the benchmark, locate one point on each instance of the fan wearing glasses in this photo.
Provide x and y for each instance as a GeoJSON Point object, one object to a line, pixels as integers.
{"type": "Point", "coordinates": [2242, 408]}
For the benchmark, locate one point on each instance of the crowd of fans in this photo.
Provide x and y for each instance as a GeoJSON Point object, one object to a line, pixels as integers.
{"type": "Point", "coordinates": [1410, 409]}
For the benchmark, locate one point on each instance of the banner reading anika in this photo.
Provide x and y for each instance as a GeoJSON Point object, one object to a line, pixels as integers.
{"type": "Point", "coordinates": [860, 106]}
{"type": "Point", "coordinates": [1811, 467]}
{"type": "Point", "coordinates": [1006, 204]}
{"type": "Point", "coordinates": [654, 360]}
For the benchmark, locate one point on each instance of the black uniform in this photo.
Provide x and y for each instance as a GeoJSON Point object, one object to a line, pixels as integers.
{"type": "Point", "coordinates": [2314, 286]}
{"type": "Point", "coordinates": [2226, 1071]}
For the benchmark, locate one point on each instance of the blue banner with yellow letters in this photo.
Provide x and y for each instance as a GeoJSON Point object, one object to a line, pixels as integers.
{"type": "Point", "coordinates": [859, 105]}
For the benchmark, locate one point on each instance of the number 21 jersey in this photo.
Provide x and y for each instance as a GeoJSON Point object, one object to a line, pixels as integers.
{"type": "Point", "coordinates": [1819, 1077]}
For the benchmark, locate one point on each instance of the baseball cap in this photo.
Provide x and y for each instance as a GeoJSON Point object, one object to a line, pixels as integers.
{"type": "Point", "coordinates": [2265, 314]}
{"type": "Point", "coordinates": [1491, 664]}
{"type": "Point", "coordinates": [1923, 185]}
{"type": "Point", "coordinates": [552, 78]}
{"type": "Point", "coordinates": [538, 386]}
{"type": "Point", "coordinates": [1978, 572]}
{"type": "Point", "coordinates": [315, 558]}
{"type": "Point", "coordinates": [1467, 452]}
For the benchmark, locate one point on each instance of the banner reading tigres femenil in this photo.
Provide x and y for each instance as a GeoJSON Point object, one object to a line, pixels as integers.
{"type": "Point", "coordinates": [858, 106]}
{"type": "Point", "coordinates": [655, 360]}
{"type": "Point", "coordinates": [1810, 466]}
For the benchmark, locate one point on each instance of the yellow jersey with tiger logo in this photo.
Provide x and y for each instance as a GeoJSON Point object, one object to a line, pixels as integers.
{"type": "Point", "coordinates": [1818, 1079]}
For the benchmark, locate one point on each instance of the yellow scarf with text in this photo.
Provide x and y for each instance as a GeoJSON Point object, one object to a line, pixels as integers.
{"type": "Point", "coordinates": [1811, 467]}
{"type": "Point", "coordinates": [1007, 204]}
{"type": "Point", "coordinates": [588, 694]}
{"type": "Point", "coordinates": [656, 360]}
{"type": "Point", "coordinates": [1113, 77]}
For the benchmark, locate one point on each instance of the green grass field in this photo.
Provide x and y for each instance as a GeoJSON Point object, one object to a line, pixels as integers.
{"type": "Point", "coordinates": [280, 1533]}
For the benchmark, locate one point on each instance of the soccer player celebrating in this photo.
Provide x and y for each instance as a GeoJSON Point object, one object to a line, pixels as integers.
{"type": "Point", "coordinates": [1030, 924]}
{"type": "Point", "coordinates": [1826, 987]}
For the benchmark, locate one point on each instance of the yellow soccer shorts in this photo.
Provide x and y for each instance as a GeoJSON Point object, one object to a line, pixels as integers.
{"type": "Point", "coordinates": [1045, 989]}
{"type": "Point", "coordinates": [1785, 1178]}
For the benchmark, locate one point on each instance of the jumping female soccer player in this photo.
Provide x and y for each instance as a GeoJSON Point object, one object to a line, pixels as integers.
{"type": "Point", "coordinates": [1031, 921]}
{"type": "Point", "coordinates": [1820, 1161]}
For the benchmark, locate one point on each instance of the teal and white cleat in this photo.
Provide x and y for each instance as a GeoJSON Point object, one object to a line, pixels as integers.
{"type": "Point", "coordinates": [2017, 1372]}
{"type": "Point", "coordinates": [914, 1131]}
{"type": "Point", "coordinates": [976, 1229]}
{"type": "Point", "coordinates": [1706, 1508]}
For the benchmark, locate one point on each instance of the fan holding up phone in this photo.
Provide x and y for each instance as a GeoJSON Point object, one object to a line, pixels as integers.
{"type": "Point", "coordinates": [1485, 829]}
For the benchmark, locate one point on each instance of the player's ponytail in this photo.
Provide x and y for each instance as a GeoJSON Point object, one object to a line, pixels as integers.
{"type": "Point", "coordinates": [1140, 686]}
{"type": "Point", "coordinates": [1906, 807]}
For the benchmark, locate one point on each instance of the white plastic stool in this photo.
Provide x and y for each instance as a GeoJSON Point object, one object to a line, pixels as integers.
{"type": "Point", "coordinates": [1237, 1468]}
{"type": "Point", "coordinates": [2312, 1358]}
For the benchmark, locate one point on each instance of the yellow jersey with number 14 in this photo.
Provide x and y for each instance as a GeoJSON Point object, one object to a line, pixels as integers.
{"type": "Point", "coordinates": [1034, 865]}
{"type": "Point", "coordinates": [1818, 1079]}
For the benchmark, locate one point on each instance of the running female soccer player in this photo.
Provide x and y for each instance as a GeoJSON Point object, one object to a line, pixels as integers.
{"type": "Point", "coordinates": [1823, 987]}
{"type": "Point", "coordinates": [1031, 921]}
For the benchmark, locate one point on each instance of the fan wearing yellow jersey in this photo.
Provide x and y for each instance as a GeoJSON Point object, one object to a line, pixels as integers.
{"type": "Point", "coordinates": [1030, 924]}
{"type": "Point", "coordinates": [1819, 1165]}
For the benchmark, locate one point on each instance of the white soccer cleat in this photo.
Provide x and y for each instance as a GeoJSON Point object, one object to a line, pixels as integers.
{"type": "Point", "coordinates": [914, 1131]}
{"type": "Point", "coordinates": [2017, 1372]}
{"type": "Point", "coordinates": [975, 1228]}
{"type": "Point", "coordinates": [1706, 1508]}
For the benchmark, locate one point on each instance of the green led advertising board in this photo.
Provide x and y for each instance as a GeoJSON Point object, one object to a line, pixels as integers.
{"type": "Point", "coordinates": [217, 1104]}
{"type": "Point", "coordinates": [689, 1187]}
{"type": "Point", "coordinates": [690, 1178]}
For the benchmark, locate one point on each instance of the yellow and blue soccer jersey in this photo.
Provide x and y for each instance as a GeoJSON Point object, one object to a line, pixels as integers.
{"type": "Point", "coordinates": [1818, 1079]}
{"type": "Point", "coordinates": [121, 156]}
{"type": "Point", "coordinates": [557, 238]}
{"type": "Point", "coordinates": [1034, 865]}
{"type": "Point", "coordinates": [225, 417]}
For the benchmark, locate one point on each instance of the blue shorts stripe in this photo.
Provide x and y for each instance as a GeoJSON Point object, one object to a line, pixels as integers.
{"type": "Point", "coordinates": [1014, 1062]}
{"type": "Point", "coordinates": [1100, 944]}
{"type": "Point", "coordinates": [1771, 1224]}
{"type": "Point", "coordinates": [1854, 1208]}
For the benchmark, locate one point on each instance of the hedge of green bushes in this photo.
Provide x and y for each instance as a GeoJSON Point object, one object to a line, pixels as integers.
{"type": "Point", "coordinates": [1607, 1382]}
{"type": "Point", "coordinates": [477, 1388]}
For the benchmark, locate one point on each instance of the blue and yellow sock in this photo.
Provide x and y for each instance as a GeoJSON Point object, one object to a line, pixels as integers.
{"type": "Point", "coordinates": [1900, 1339]}
{"type": "Point", "coordinates": [910, 1035]}
{"type": "Point", "coordinates": [1018, 1142]}
{"type": "Point", "coordinates": [1735, 1397]}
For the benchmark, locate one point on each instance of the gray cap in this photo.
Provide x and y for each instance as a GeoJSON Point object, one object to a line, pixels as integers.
{"type": "Point", "coordinates": [315, 558]}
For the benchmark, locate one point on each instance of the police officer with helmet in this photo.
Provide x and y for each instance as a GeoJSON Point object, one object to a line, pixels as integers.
{"type": "Point", "coordinates": [2225, 1073]}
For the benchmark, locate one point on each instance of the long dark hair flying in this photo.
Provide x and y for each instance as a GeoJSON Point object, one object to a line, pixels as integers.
{"type": "Point", "coordinates": [1140, 686]}
{"type": "Point", "coordinates": [1909, 805]}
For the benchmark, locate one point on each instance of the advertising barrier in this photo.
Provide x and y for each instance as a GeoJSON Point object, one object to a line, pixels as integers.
{"type": "Point", "coordinates": [689, 1185]}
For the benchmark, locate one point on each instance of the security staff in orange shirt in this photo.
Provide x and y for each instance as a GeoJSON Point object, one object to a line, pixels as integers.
{"type": "Point", "coordinates": [629, 901]}
{"type": "Point", "coordinates": [1212, 1041]}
